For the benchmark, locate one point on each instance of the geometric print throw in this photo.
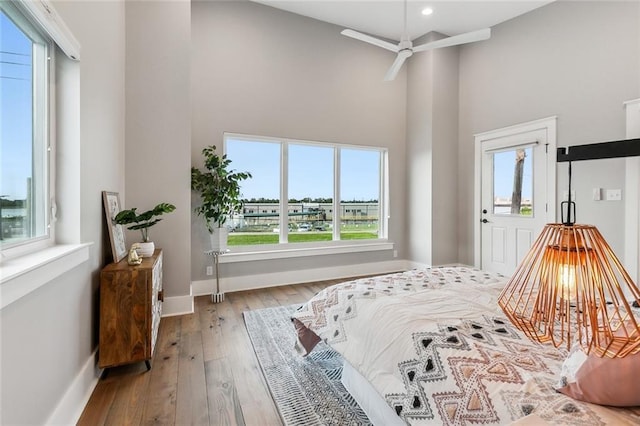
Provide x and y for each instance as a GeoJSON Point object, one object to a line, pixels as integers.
{"type": "Point", "coordinates": [488, 353]}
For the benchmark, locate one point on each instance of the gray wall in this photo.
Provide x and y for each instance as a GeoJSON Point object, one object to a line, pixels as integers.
{"type": "Point", "coordinates": [50, 334]}
{"type": "Point", "coordinates": [432, 134]}
{"type": "Point", "coordinates": [262, 71]}
{"type": "Point", "coordinates": [289, 76]}
{"type": "Point", "coordinates": [158, 129]}
{"type": "Point", "coordinates": [577, 60]}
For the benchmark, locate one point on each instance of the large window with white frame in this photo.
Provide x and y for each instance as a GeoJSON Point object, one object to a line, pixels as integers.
{"type": "Point", "coordinates": [307, 193]}
{"type": "Point", "coordinates": [26, 147]}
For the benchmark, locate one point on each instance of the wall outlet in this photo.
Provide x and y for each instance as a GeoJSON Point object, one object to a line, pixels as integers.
{"type": "Point", "coordinates": [614, 194]}
{"type": "Point", "coordinates": [209, 270]}
{"type": "Point", "coordinates": [395, 253]}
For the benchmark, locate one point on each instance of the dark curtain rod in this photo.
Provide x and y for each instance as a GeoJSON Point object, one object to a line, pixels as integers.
{"type": "Point", "coordinates": [597, 151]}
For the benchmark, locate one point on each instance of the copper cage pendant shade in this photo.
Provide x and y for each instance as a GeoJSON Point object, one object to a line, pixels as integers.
{"type": "Point", "coordinates": [570, 288]}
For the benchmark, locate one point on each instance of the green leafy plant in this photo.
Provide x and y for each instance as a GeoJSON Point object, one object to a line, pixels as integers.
{"type": "Point", "coordinates": [218, 187]}
{"type": "Point", "coordinates": [143, 221]}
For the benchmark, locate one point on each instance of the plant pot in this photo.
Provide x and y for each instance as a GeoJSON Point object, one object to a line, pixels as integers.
{"type": "Point", "coordinates": [146, 249]}
{"type": "Point", "coordinates": [219, 239]}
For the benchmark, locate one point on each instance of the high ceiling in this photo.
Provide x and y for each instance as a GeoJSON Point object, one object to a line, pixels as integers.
{"type": "Point", "coordinates": [385, 18]}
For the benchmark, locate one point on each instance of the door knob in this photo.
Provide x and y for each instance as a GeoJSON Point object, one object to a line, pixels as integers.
{"type": "Point", "coordinates": [484, 211]}
{"type": "Point", "coordinates": [485, 221]}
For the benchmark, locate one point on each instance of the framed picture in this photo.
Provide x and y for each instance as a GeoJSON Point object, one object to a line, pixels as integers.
{"type": "Point", "coordinates": [111, 202]}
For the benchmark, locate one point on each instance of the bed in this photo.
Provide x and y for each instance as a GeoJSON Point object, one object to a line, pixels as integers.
{"type": "Point", "coordinates": [431, 346]}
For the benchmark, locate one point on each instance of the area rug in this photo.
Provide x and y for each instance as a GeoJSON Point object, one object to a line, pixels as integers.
{"type": "Point", "coordinates": [306, 390]}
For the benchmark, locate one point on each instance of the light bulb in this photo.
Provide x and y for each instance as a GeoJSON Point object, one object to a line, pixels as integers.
{"type": "Point", "coordinates": [567, 281]}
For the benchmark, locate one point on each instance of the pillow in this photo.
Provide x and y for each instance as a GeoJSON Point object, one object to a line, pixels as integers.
{"type": "Point", "coordinates": [307, 339]}
{"type": "Point", "coordinates": [602, 381]}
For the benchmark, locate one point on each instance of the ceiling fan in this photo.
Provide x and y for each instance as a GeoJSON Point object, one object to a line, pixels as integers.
{"type": "Point", "coordinates": [405, 48]}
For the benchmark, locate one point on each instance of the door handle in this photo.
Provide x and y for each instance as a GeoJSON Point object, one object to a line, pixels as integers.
{"type": "Point", "coordinates": [485, 221]}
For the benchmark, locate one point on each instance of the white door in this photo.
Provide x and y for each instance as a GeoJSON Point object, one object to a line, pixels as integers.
{"type": "Point", "coordinates": [517, 187]}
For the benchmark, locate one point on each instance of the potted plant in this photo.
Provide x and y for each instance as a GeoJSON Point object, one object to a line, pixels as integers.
{"type": "Point", "coordinates": [143, 222]}
{"type": "Point", "coordinates": [219, 190]}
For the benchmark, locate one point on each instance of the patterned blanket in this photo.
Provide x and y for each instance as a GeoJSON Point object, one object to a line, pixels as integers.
{"type": "Point", "coordinates": [436, 346]}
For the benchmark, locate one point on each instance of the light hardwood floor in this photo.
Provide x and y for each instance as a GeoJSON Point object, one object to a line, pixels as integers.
{"type": "Point", "coordinates": [204, 370]}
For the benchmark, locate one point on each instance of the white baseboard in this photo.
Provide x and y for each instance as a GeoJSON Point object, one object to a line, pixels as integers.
{"type": "Point", "coordinates": [70, 407]}
{"type": "Point", "coordinates": [252, 282]}
{"type": "Point", "coordinates": [177, 305]}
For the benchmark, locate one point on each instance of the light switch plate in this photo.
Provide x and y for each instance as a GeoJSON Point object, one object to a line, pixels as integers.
{"type": "Point", "coordinates": [597, 194]}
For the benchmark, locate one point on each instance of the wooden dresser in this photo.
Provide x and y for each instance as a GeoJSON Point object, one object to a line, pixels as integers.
{"type": "Point", "coordinates": [130, 310]}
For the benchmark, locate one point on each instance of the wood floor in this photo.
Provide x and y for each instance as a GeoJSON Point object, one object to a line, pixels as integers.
{"type": "Point", "coordinates": [204, 370]}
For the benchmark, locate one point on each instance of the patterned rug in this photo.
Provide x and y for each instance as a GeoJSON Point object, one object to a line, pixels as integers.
{"type": "Point", "coordinates": [306, 390]}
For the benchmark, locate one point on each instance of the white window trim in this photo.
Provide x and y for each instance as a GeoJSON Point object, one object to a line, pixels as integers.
{"type": "Point", "coordinates": [285, 249]}
{"type": "Point", "coordinates": [23, 275]}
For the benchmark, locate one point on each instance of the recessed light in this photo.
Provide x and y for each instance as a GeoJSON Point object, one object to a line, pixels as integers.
{"type": "Point", "coordinates": [427, 11]}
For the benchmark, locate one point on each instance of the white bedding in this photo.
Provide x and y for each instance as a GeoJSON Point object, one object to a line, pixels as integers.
{"type": "Point", "coordinates": [371, 402]}
{"type": "Point", "coordinates": [435, 346]}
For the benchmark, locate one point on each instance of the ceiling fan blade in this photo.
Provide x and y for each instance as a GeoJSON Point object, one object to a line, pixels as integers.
{"type": "Point", "coordinates": [395, 67]}
{"type": "Point", "coordinates": [470, 37]}
{"type": "Point", "coordinates": [371, 40]}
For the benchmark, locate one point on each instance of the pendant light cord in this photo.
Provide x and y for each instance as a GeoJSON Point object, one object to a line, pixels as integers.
{"type": "Point", "coordinates": [569, 204]}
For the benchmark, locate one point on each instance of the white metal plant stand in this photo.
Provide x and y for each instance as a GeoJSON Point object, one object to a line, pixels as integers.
{"type": "Point", "coordinates": [216, 297]}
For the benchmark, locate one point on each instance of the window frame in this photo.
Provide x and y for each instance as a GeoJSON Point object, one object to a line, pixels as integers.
{"type": "Point", "coordinates": [335, 246]}
{"type": "Point", "coordinates": [43, 127]}
{"type": "Point", "coordinates": [29, 266]}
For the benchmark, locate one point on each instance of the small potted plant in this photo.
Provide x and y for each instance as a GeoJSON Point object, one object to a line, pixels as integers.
{"type": "Point", "coordinates": [143, 222]}
{"type": "Point", "coordinates": [219, 191]}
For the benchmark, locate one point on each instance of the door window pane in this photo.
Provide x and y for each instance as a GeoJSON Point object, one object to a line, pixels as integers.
{"type": "Point", "coordinates": [359, 194]}
{"type": "Point", "coordinates": [310, 193]}
{"type": "Point", "coordinates": [259, 221]}
{"type": "Point", "coordinates": [512, 182]}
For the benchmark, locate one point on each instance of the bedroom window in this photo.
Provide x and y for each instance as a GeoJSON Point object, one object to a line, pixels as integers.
{"type": "Point", "coordinates": [25, 150]}
{"type": "Point", "coordinates": [310, 186]}
{"type": "Point", "coordinates": [261, 193]}
{"type": "Point", "coordinates": [301, 184]}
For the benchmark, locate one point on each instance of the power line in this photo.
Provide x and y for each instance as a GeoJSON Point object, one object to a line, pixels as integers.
{"type": "Point", "coordinates": [15, 78]}
{"type": "Point", "coordinates": [15, 63]}
{"type": "Point", "coordinates": [14, 53]}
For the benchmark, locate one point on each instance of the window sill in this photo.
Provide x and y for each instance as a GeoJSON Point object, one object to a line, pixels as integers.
{"type": "Point", "coordinates": [290, 250]}
{"type": "Point", "coordinates": [25, 274]}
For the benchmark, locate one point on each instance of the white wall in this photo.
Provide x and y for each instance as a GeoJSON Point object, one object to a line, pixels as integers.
{"type": "Point", "coordinates": [576, 60]}
{"type": "Point", "coordinates": [49, 336]}
{"type": "Point", "coordinates": [632, 195]}
{"type": "Point", "coordinates": [158, 130]}
{"type": "Point", "coordinates": [262, 71]}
